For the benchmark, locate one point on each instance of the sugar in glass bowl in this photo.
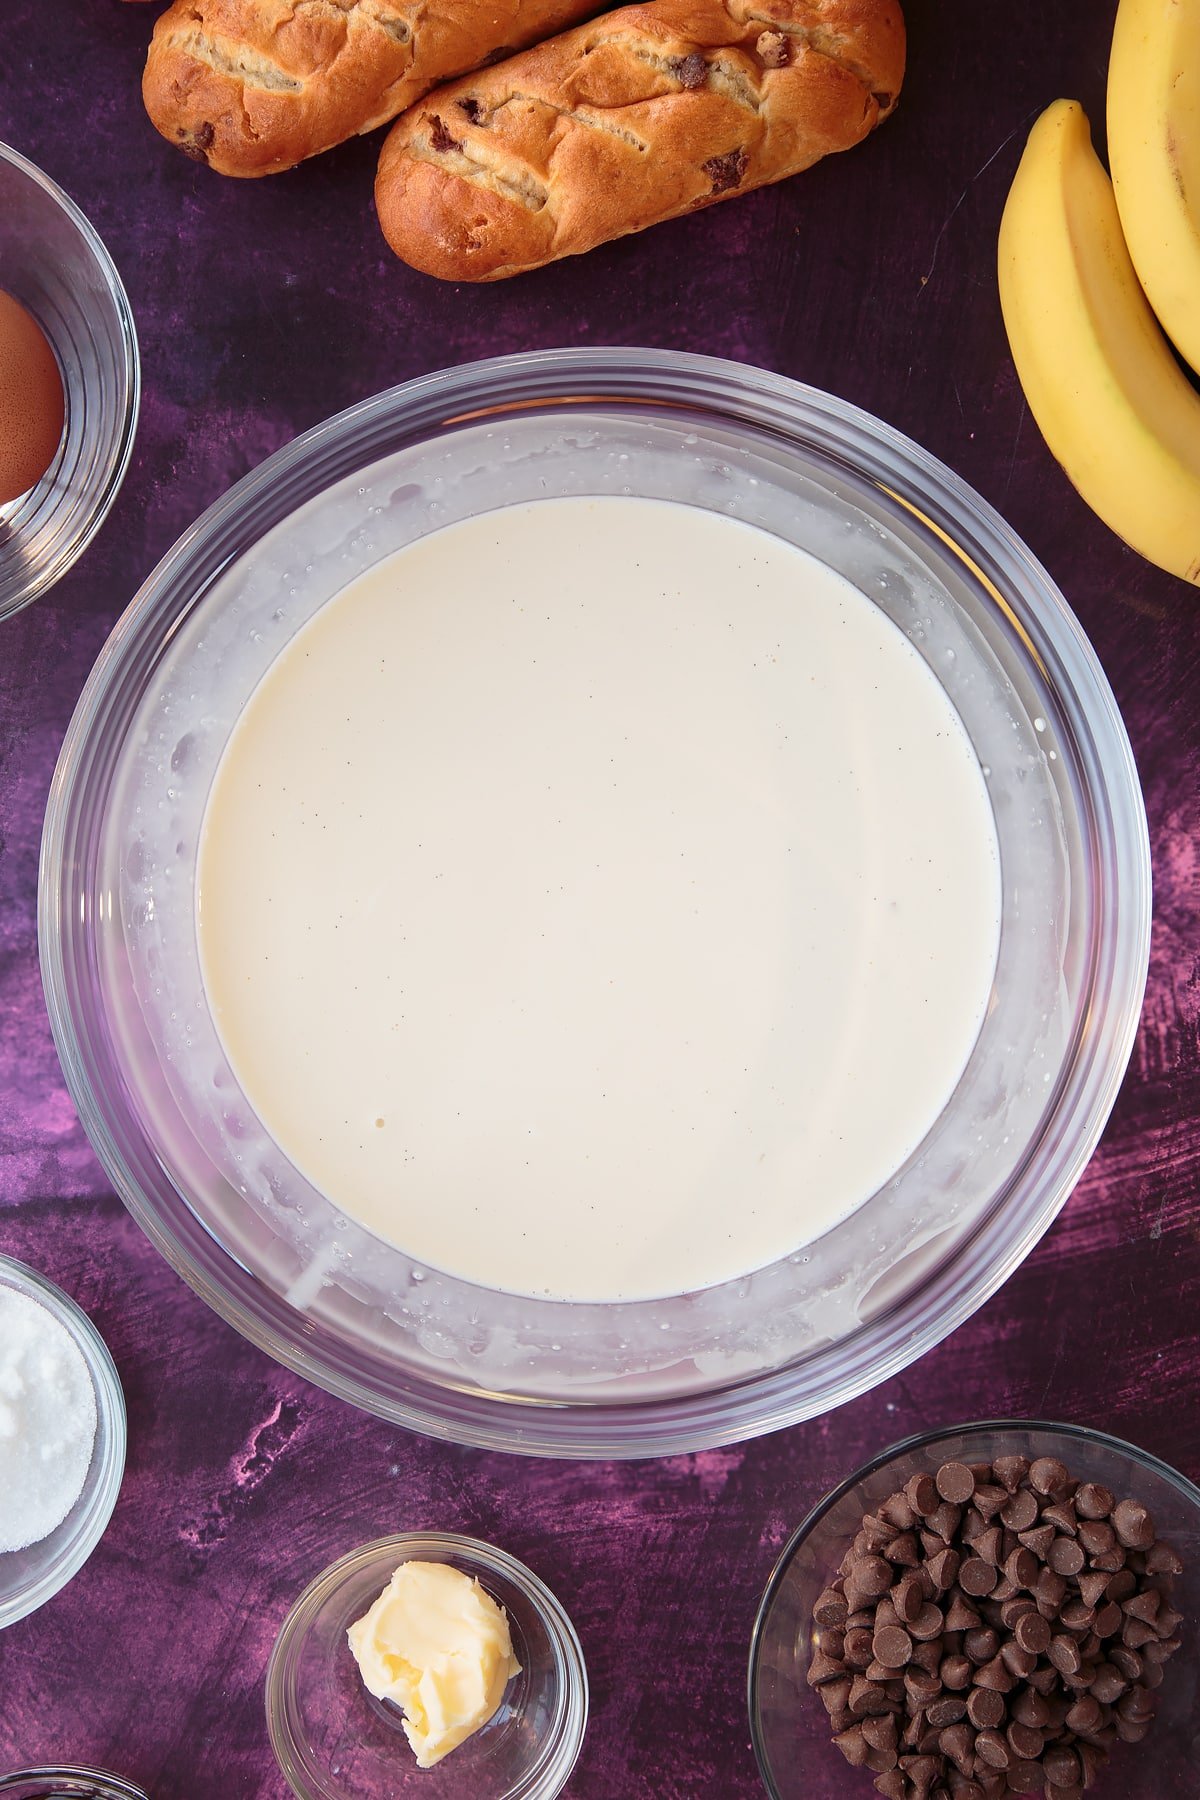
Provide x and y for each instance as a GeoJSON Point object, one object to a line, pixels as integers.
{"type": "Point", "coordinates": [30, 1577]}
{"type": "Point", "coordinates": [52, 261]}
{"type": "Point", "coordinates": [335, 1741]}
{"type": "Point", "coordinates": [419, 1346]}
{"type": "Point", "coordinates": [789, 1728]}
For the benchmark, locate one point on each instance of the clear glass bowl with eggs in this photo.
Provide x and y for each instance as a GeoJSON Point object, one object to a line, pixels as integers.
{"type": "Point", "coordinates": [417, 1344]}
{"type": "Point", "coordinates": [54, 265]}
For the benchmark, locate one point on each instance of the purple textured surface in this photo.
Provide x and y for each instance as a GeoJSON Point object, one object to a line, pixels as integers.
{"type": "Point", "coordinates": [263, 307]}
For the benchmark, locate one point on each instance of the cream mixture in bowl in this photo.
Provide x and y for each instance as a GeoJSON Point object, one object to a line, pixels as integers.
{"type": "Point", "coordinates": [570, 879]}
{"type": "Point", "coordinates": [594, 928]}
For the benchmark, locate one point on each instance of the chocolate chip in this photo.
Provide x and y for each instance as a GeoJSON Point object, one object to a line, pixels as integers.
{"type": "Point", "coordinates": [1031, 1708]}
{"type": "Point", "coordinates": [1086, 1715]}
{"type": "Point", "coordinates": [440, 139]}
{"type": "Point", "coordinates": [1033, 1633]}
{"type": "Point", "coordinates": [988, 1499]}
{"type": "Point", "coordinates": [961, 1616]}
{"type": "Point", "coordinates": [1050, 1589]}
{"type": "Point", "coordinates": [981, 1644]}
{"type": "Point", "coordinates": [1064, 1654]}
{"type": "Point", "coordinates": [929, 1623]}
{"type": "Point", "coordinates": [867, 1697]}
{"type": "Point", "coordinates": [831, 1608]}
{"type": "Point", "coordinates": [1061, 1766]}
{"type": "Point", "coordinates": [955, 1483]}
{"type": "Point", "coordinates": [872, 1576]}
{"type": "Point", "coordinates": [1092, 1588]}
{"type": "Point", "coordinates": [1022, 1568]}
{"type": "Point", "coordinates": [1133, 1525]}
{"type": "Point", "coordinates": [996, 1675]}
{"type": "Point", "coordinates": [1093, 1501]}
{"type": "Point", "coordinates": [725, 173]}
{"type": "Point", "coordinates": [897, 1511]}
{"type": "Point", "coordinates": [1010, 1471]}
{"type": "Point", "coordinates": [893, 1647]}
{"type": "Point", "coordinates": [1143, 1606]}
{"type": "Point", "coordinates": [943, 1569]}
{"type": "Point", "coordinates": [853, 1746]}
{"type": "Point", "coordinates": [990, 1546]}
{"type": "Point", "coordinates": [1024, 1777]}
{"type": "Point", "coordinates": [1062, 1516]}
{"type": "Point", "coordinates": [836, 1694]}
{"type": "Point", "coordinates": [200, 142]}
{"type": "Point", "coordinates": [955, 1672]}
{"type": "Point", "coordinates": [1077, 1616]}
{"type": "Point", "coordinates": [976, 1576]}
{"type": "Point", "coordinates": [1048, 1476]}
{"type": "Point", "coordinates": [908, 1597]}
{"type": "Point", "coordinates": [881, 1733]}
{"type": "Point", "coordinates": [1039, 1539]}
{"type": "Point", "coordinates": [1066, 1556]}
{"type": "Point", "coordinates": [1108, 1684]}
{"type": "Point", "coordinates": [690, 71]}
{"type": "Point", "coordinates": [958, 1743]}
{"type": "Point", "coordinates": [945, 1521]}
{"type": "Point", "coordinates": [1020, 1511]}
{"type": "Point", "coordinates": [472, 107]}
{"type": "Point", "coordinates": [992, 1749]}
{"type": "Point", "coordinates": [1097, 1536]}
{"type": "Point", "coordinates": [921, 1493]}
{"type": "Point", "coordinates": [903, 1550]}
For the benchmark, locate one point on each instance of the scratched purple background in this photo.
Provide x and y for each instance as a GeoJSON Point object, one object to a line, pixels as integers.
{"type": "Point", "coordinates": [262, 307]}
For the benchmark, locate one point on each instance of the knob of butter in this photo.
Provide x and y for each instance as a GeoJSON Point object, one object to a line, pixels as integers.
{"type": "Point", "coordinates": [440, 1648]}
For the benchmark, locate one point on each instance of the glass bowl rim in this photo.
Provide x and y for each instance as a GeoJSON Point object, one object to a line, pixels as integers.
{"type": "Point", "coordinates": [110, 1412]}
{"type": "Point", "coordinates": [404, 1546]}
{"type": "Point", "coordinates": [105, 1785]}
{"type": "Point", "coordinates": [125, 426]}
{"type": "Point", "coordinates": [922, 1440]}
{"type": "Point", "coordinates": [741, 1407]}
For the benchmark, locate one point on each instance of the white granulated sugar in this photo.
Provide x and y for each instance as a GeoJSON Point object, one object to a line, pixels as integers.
{"type": "Point", "coordinates": [47, 1421]}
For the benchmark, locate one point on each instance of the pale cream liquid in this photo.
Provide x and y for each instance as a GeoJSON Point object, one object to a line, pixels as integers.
{"type": "Point", "coordinates": [599, 898]}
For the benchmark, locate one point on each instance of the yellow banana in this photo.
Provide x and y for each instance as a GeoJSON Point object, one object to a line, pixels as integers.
{"type": "Point", "coordinates": [1154, 154]}
{"type": "Point", "coordinates": [1110, 399]}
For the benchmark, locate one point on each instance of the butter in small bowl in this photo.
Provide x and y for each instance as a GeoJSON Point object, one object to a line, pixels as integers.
{"type": "Point", "coordinates": [436, 1645]}
{"type": "Point", "coordinates": [427, 1642]}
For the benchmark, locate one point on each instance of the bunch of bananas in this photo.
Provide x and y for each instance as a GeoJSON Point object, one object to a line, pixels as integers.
{"type": "Point", "coordinates": [1090, 267]}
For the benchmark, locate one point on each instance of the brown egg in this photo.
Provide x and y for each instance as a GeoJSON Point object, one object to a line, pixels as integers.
{"type": "Point", "coordinates": [31, 400]}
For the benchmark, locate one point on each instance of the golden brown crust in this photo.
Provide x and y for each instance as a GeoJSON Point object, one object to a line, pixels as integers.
{"type": "Point", "coordinates": [251, 87]}
{"type": "Point", "coordinates": [641, 115]}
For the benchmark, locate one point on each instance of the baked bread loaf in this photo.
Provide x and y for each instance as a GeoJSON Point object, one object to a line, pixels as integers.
{"type": "Point", "coordinates": [641, 115]}
{"type": "Point", "coordinates": [251, 87]}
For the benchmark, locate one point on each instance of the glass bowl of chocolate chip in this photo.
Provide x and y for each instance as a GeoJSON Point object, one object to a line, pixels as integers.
{"type": "Point", "coordinates": [1001, 1608]}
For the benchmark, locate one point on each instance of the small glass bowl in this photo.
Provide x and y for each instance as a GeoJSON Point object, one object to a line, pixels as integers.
{"type": "Point", "coordinates": [53, 262]}
{"type": "Point", "coordinates": [788, 1725]}
{"type": "Point", "coordinates": [30, 1577]}
{"type": "Point", "coordinates": [335, 1741]}
{"type": "Point", "coordinates": [65, 1781]}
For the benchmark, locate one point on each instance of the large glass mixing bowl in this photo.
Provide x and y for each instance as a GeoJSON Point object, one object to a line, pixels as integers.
{"type": "Point", "coordinates": [220, 1199]}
